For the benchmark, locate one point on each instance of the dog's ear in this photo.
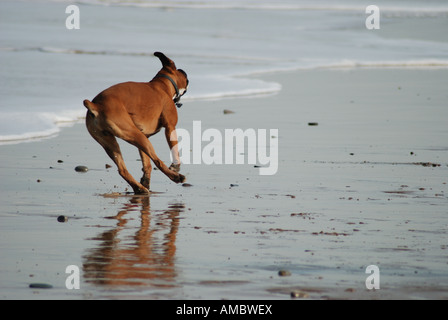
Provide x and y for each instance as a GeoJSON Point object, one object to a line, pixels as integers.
{"type": "Point", "coordinates": [166, 62]}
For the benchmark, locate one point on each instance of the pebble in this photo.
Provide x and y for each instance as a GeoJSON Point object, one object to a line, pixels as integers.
{"type": "Point", "coordinates": [299, 294]}
{"type": "Point", "coordinates": [313, 123]}
{"type": "Point", "coordinates": [284, 273]}
{"type": "Point", "coordinates": [186, 185]}
{"type": "Point", "coordinates": [233, 185]}
{"type": "Point", "coordinates": [81, 169]}
{"type": "Point", "coordinates": [62, 219]}
{"type": "Point", "coordinates": [41, 286]}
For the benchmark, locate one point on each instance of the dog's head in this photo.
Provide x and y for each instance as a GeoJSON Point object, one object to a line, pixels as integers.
{"type": "Point", "coordinates": [178, 77]}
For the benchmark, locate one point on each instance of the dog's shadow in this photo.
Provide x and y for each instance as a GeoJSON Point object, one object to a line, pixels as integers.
{"type": "Point", "coordinates": [139, 250]}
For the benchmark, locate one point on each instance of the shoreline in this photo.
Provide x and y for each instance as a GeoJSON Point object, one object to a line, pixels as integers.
{"type": "Point", "coordinates": [350, 192]}
{"type": "Point", "coordinates": [417, 65]}
{"type": "Point", "coordinates": [221, 60]}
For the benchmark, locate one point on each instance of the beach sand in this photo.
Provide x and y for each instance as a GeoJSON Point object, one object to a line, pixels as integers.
{"type": "Point", "coordinates": [366, 185]}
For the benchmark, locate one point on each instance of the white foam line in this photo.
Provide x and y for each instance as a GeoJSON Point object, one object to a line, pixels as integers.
{"type": "Point", "coordinates": [56, 121]}
{"type": "Point", "coordinates": [231, 94]}
{"type": "Point", "coordinates": [29, 136]}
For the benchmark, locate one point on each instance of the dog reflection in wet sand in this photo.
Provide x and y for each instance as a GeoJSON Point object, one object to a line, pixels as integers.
{"type": "Point", "coordinates": [133, 256]}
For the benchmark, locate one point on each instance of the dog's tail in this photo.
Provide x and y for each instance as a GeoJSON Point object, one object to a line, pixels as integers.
{"type": "Point", "coordinates": [91, 107]}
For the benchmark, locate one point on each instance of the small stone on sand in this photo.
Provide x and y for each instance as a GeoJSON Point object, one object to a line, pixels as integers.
{"type": "Point", "coordinates": [81, 169]}
{"type": "Point", "coordinates": [40, 286]}
{"type": "Point", "coordinates": [299, 294]}
{"type": "Point", "coordinates": [284, 273]}
{"type": "Point", "coordinates": [62, 219]}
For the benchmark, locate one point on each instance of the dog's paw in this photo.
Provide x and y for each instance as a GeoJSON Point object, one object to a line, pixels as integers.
{"type": "Point", "coordinates": [141, 190]}
{"type": "Point", "coordinates": [175, 167]}
{"type": "Point", "coordinates": [180, 178]}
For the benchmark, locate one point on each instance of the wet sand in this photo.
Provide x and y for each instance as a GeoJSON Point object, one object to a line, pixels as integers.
{"type": "Point", "coordinates": [365, 185]}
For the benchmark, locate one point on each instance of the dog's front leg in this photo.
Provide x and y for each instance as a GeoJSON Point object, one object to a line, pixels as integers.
{"type": "Point", "coordinates": [147, 168]}
{"type": "Point", "coordinates": [171, 138]}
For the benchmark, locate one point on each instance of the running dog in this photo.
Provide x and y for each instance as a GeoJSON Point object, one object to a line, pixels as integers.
{"type": "Point", "coordinates": [134, 111]}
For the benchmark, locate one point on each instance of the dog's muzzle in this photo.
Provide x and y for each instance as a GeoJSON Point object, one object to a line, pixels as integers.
{"type": "Point", "coordinates": [179, 94]}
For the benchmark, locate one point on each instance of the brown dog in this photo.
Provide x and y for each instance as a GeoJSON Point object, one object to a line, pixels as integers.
{"type": "Point", "coordinates": [133, 111]}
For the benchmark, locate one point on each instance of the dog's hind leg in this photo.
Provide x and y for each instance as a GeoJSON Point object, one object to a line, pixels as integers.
{"type": "Point", "coordinates": [112, 148]}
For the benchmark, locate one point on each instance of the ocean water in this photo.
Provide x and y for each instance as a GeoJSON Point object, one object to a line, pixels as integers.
{"type": "Point", "coordinates": [46, 70]}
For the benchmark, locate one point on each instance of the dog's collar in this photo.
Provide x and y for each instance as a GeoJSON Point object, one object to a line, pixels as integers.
{"type": "Point", "coordinates": [177, 97]}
